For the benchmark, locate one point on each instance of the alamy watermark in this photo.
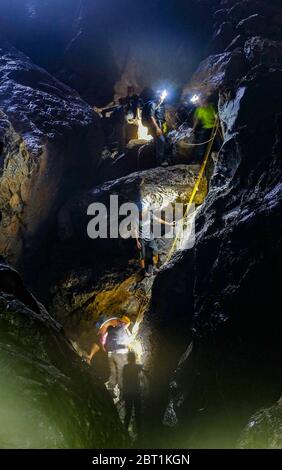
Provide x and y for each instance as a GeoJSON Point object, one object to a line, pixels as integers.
{"type": "Point", "coordinates": [142, 220]}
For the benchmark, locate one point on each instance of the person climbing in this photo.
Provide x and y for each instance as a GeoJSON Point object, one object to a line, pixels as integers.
{"type": "Point", "coordinates": [205, 121]}
{"type": "Point", "coordinates": [145, 240]}
{"type": "Point", "coordinates": [116, 346]}
{"type": "Point", "coordinates": [132, 390]}
{"type": "Point", "coordinates": [153, 117]}
{"type": "Point", "coordinates": [99, 336]}
{"type": "Point", "coordinates": [132, 104]}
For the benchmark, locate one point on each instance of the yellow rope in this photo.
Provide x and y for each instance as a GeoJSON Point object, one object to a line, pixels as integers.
{"type": "Point", "coordinates": [200, 144]}
{"type": "Point", "coordinates": [195, 189]}
{"type": "Point", "coordinates": [140, 315]}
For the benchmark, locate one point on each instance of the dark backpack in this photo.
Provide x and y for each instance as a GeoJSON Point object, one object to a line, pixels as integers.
{"type": "Point", "coordinates": [117, 338]}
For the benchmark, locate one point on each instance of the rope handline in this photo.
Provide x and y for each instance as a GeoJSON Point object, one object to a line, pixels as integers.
{"type": "Point", "coordinates": [140, 315]}
{"type": "Point", "coordinates": [199, 144]}
{"type": "Point", "coordinates": [195, 189]}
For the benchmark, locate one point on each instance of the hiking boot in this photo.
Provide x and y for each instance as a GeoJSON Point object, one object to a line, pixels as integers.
{"type": "Point", "coordinates": [150, 271]}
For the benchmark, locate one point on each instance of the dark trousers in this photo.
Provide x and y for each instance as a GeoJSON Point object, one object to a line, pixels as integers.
{"type": "Point", "coordinates": [148, 251]}
{"type": "Point", "coordinates": [159, 149]}
{"type": "Point", "coordinates": [117, 362]}
{"type": "Point", "coordinates": [121, 136]}
{"type": "Point", "coordinates": [132, 401]}
{"type": "Point", "coordinates": [159, 145]}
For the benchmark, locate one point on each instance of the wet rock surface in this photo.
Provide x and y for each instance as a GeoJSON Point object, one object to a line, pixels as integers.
{"type": "Point", "coordinates": [48, 397]}
{"type": "Point", "coordinates": [217, 69]}
{"type": "Point", "coordinates": [227, 288]}
{"type": "Point", "coordinates": [51, 142]}
{"type": "Point", "coordinates": [211, 328]}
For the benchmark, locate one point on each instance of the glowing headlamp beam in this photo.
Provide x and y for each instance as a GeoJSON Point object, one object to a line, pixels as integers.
{"type": "Point", "coordinates": [195, 99]}
{"type": "Point", "coordinates": [164, 95]}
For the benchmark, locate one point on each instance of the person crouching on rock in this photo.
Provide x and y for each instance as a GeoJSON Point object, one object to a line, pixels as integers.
{"type": "Point", "coordinates": [116, 346]}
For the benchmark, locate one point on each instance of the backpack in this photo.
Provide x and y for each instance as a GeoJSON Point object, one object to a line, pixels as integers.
{"type": "Point", "coordinates": [117, 338]}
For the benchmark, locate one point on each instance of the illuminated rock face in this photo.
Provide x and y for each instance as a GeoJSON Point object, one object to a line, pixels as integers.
{"type": "Point", "coordinates": [222, 312]}
{"type": "Point", "coordinates": [51, 141]}
{"type": "Point", "coordinates": [48, 397]}
{"type": "Point", "coordinates": [94, 278]}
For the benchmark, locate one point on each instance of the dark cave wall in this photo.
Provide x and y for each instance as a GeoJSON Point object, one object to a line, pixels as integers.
{"type": "Point", "coordinates": [98, 46]}
{"type": "Point", "coordinates": [49, 398]}
{"type": "Point", "coordinates": [227, 299]}
{"type": "Point", "coordinates": [51, 146]}
{"type": "Point", "coordinates": [223, 294]}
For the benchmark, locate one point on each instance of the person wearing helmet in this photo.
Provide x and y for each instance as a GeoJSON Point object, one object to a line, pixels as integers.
{"type": "Point", "coordinates": [100, 336]}
{"type": "Point", "coordinates": [153, 117]}
{"type": "Point", "coordinates": [146, 242]}
{"type": "Point", "coordinates": [205, 121]}
{"type": "Point", "coordinates": [116, 346]}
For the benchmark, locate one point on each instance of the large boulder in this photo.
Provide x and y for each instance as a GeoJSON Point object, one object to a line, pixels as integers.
{"type": "Point", "coordinates": [217, 69]}
{"type": "Point", "coordinates": [139, 155]}
{"type": "Point", "coordinates": [48, 398]}
{"type": "Point", "coordinates": [51, 143]}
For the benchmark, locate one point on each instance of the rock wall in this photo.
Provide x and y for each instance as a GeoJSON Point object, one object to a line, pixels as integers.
{"type": "Point", "coordinates": [91, 278]}
{"type": "Point", "coordinates": [48, 397]}
{"type": "Point", "coordinates": [220, 316]}
{"type": "Point", "coordinates": [50, 143]}
{"type": "Point", "coordinates": [213, 322]}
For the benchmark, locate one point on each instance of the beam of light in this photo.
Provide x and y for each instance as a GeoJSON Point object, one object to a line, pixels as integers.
{"type": "Point", "coordinates": [195, 98]}
{"type": "Point", "coordinates": [143, 133]}
{"type": "Point", "coordinates": [136, 347]}
{"type": "Point", "coordinates": [164, 95]}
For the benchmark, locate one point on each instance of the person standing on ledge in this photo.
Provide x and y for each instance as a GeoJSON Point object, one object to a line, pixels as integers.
{"type": "Point", "coordinates": [153, 117]}
{"type": "Point", "coordinates": [143, 232]}
{"type": "Point", "coordinates": [116, 346]}
{"type": "Point", "coordinates": [205, 120]}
